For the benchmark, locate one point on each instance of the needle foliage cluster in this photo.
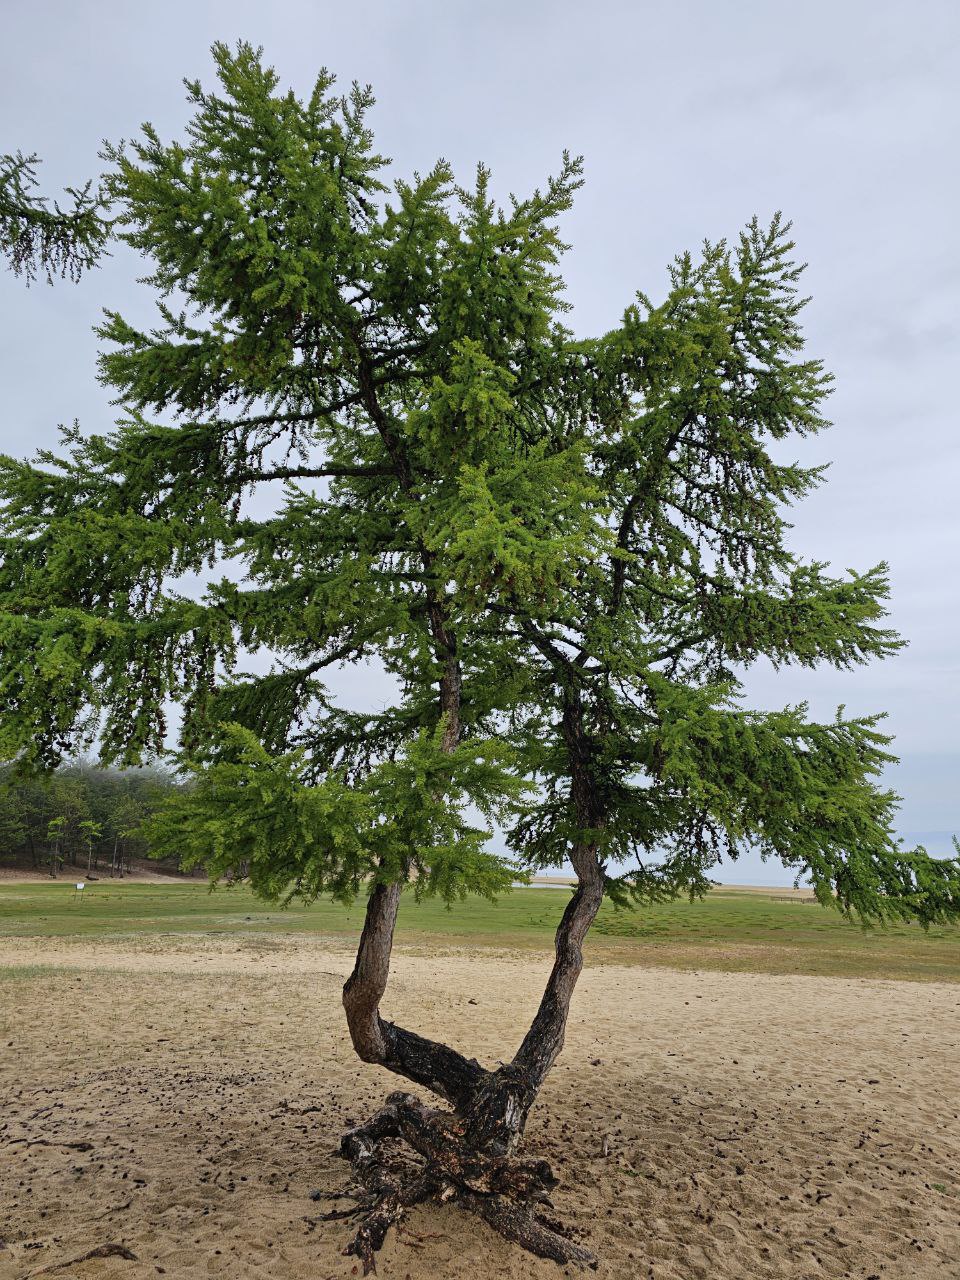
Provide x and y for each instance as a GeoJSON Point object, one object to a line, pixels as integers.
{"type": "Point", "coordinates": [360, 423]}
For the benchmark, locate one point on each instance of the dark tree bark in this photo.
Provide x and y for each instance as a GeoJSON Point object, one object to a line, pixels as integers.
{"type": "Point", "coordinates": [408, 1153]}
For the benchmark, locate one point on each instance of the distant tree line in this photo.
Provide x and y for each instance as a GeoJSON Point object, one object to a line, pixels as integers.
{"type": "Point", "coordinates": [81, 816]}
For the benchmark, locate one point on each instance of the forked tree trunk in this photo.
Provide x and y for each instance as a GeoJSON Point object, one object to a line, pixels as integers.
{"type": "Point", "coordinates": [465, 1152]}
{"type": "Point", "coordinates": [408, 1153]}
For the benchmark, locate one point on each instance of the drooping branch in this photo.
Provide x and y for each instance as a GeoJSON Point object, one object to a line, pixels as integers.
{"type": "Point", "coordinates": [35, 238]}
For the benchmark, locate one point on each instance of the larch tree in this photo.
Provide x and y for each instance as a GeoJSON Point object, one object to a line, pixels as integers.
{"type": "Point", "coordinates": [359, 431]}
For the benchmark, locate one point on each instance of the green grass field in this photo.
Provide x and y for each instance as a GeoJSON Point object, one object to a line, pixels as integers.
{"type": "Point", "coordinates": [732, 929]}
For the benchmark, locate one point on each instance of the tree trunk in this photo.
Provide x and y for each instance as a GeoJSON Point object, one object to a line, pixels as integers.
{"type": "Point", "coordinates": [465, 1153]}
{"type": "Point", "coordinates": [407, 1152]}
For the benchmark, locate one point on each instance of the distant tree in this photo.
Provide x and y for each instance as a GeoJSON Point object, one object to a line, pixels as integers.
{"type": "Point", "coordinates": [90, 833]}
{"type": "Point", "coordinates": [70, 806]}
{"type": "Point", "coordinates": [25, 806]}
{"type": "Point", "coordinates": [123, 826]}
{"type": "Point", "coordinates": [564, 550]}
{"type": "Point", "coordinates": [37, 239]}
{"type": "Point", "coordinates": [55, 830]}
{"type": "Point", "coordinates": [13, 824]}
{"type": "Point", "coordinates": [118, 801]}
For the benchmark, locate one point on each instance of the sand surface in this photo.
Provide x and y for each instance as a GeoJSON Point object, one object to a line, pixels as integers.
{"type": "Point", "coordinates": [69, 876]}
{"type": "Point", "coordinates": [182, 1096]}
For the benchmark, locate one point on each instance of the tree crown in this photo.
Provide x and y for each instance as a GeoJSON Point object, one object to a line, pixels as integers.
{"type": "Point", "coordinates": [362, 423]}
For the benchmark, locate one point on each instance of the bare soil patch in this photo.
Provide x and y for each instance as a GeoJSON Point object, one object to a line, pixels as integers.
{"type": "Point", "coordinates": [69, 875]}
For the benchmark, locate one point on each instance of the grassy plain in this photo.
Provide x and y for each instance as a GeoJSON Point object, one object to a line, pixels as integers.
{"type": "Point", "coordinates": [732, 929]}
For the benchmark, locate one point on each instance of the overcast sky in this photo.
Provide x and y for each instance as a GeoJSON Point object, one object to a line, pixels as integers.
{"type": "Point", "coordinates": [692, 116]}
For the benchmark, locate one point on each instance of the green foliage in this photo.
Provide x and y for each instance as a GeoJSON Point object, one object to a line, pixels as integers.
{"type": "Point", "coordinates": [76, 807]}
{"type": "Point", "coordinates": [366, 434]}
{"type": "Point", "coordinates": [250, 813]}
{"type": "Point", "coordinates": [35, 238]}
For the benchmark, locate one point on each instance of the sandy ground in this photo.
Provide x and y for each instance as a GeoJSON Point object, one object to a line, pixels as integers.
{"type": "Point", "coordinates": [181, 1097]}
{"type": "Point", "coordinates": [24, 875]}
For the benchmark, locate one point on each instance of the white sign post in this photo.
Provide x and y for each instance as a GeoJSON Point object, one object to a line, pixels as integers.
{"type": "Point", "coordinates": [78, 890]}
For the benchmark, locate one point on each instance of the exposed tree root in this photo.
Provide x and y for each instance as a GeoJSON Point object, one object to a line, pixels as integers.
{"type": "Point", "coordinates": [384, 1213]}
{"type": "Point", "coordinates": [409, 1153]}
{"type": "Point", "coordinates": [517, 1222]}
{"type": "Point", "coordinates": [101, 1251]}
